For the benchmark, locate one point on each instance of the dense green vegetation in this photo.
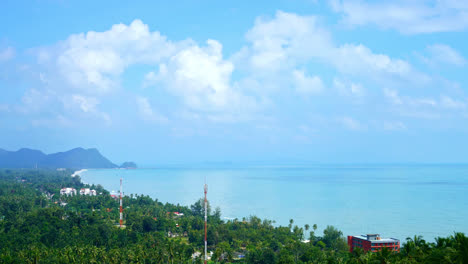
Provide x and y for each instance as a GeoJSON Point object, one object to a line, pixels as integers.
{"type": "Point", "coordinates": [37, 225]}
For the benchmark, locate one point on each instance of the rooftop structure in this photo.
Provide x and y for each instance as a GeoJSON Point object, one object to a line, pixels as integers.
{"type": "Point", "coordinates": [87, 191]}
{"type": "Point", "coordinates": [68, 191]}
{"type": "Point", "coordinates": [373, 242]}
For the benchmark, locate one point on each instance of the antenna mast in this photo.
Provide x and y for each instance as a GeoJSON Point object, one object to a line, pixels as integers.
{"type": "Point", "coordinates": [121, 209]}
{"type": "Point", "coordinates": [206, 209]}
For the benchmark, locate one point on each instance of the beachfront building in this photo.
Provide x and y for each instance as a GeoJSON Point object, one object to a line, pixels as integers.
{"type": "Point", "coordinates": [373, 242]}
{"type": "Point", "coordinates": [68, 191]}
{"type": "Point", "coordinates": [87, 191]}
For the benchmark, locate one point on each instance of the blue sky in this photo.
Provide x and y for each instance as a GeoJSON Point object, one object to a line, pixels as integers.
{"type": "Point", "coordinates": [158, 82]}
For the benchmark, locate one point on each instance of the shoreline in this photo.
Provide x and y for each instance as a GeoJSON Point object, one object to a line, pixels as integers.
{"type": "Point", "coordinates": [180, 187]}
{"type": "Point", "coordinates": [78, 172]}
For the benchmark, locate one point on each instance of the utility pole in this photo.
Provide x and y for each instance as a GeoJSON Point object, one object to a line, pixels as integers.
{"type": "Point", "coordinates": [121, 209]}
{"type": "Point", "coordinates": [206, 210]}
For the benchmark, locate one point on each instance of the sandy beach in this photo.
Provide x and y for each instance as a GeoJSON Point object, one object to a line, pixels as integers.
{"type": "Point", "coordinates": [78, 172]}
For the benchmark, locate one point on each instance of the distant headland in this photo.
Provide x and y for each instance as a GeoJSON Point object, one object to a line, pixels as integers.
{"type": "Point", "coordinates": [77, 158]}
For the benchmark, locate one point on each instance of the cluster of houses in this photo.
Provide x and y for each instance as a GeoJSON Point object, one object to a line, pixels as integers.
{"type": "Point", "coordinates": [72, 191]}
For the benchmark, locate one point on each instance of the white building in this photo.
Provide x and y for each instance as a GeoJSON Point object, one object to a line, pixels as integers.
{"type": "Point", "coordinates": [87, 191]}
{"type": "Point", "coordinates": [68, 191]}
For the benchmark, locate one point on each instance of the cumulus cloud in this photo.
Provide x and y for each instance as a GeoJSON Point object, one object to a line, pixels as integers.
{"type": "Point", "coordinates": [350, 89]}
{"type": "Point", "coordinates": [94, 61]}
{"type": "Point", "coordinates": [307, 85]}
{"type": "Point", "coordinates": [75, 75]}
{"type": "Point", "coordinates": [282, 41]}
{"type": "Point", "coordinates": [146, 111]}
{"type": "Point", "coordinates": [202, 79]}
{"type": "Point", "coordinates": [360, 60]}
{"type": "Point", "coordinates": [287, 40]}
{"type": "Point", "coordinates": [86, 69]}
{"type": "Point", "coordinates": [409, 17]}
{"type": "Point", "coordinates": [91, 64]}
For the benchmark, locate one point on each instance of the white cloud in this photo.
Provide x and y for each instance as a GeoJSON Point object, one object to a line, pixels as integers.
{"type": "Point", "coordinates": [202, 79]}
{"type": "Point", "coordinates": [86, 106]}
{"type": "Point", "coordinates": [94, 61]}
{"type": "Point", "coordinates": [360, 60]}
{"type": "Point", "coordinates": [85, 69]}
{"type": "Point", "coordinates": [395, 98]}
{"type": "Point", "coordinates": [91, 64]}
{"type": "Point", "coordinates": [350, 89]}
{"type": "Point", "coordinates": [424, 107]}
{"type": "Point", "coordinates": [200, 76]}
{"type": "Point", "coordinates": [280, 42]}
{"type": "Point", "coordinates": [409, 17]}
{"type": "Point", "coordinates": [445, 54]}
{"type": "Point", "coordinates": [444, 101]}
{"type": "Point", "coordinates": [76, 74]}
{"type": "Point", "coordinates": [151, 78]}
{"type": "Point", "coordinates": [283, 43]}
{"type": "Point", "coordinates": [147, 112]}
{"type": "Point", "coordinates": [307, 85]}
{"type": "Point", "coordinates": [7, 54]}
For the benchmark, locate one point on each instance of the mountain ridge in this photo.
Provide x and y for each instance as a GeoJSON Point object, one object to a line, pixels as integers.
{"type": "Point", "coordinates": [76, 158]}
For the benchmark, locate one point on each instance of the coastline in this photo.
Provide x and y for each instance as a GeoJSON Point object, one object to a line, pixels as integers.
{"type": "Point", "coordinates": [320, 195]}
{"type": "Point", "coordinates": [78, 172]}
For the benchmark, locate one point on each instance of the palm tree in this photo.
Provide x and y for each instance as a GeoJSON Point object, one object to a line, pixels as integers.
{"type": "Point", "coordinates": [441, 242]}
{"type": "Point", "coordinates": [415, 248]}
{"type": "Point", "coordinates": [460, 242]}
{"type": "Point", "coordinates": [384, 255]}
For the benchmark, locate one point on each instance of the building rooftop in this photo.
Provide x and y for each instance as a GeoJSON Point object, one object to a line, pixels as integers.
{"type": "Point", "coordinates": [375, 238]}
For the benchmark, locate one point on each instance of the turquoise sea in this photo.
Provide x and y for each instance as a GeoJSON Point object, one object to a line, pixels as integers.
{"type": "Point", "coordinates": [393, 200]}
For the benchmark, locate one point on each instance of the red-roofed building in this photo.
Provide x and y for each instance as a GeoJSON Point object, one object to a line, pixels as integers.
{"type": "Point", "coordinates": [373, 242]}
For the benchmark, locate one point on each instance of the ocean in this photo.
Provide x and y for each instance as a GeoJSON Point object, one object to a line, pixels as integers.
{"type": "Point", "coordinates": [392, 200]}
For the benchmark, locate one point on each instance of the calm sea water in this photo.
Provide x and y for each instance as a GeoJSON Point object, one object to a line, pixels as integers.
{"type": "Point", "coordinates": [395, 201]}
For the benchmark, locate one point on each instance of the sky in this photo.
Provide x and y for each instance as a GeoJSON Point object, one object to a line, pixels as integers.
{"type": "Point", "coordinates": [162, 82]}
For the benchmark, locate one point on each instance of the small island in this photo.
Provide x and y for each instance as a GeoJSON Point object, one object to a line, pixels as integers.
{"type": "Point", "coordinates": [128, 165]}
